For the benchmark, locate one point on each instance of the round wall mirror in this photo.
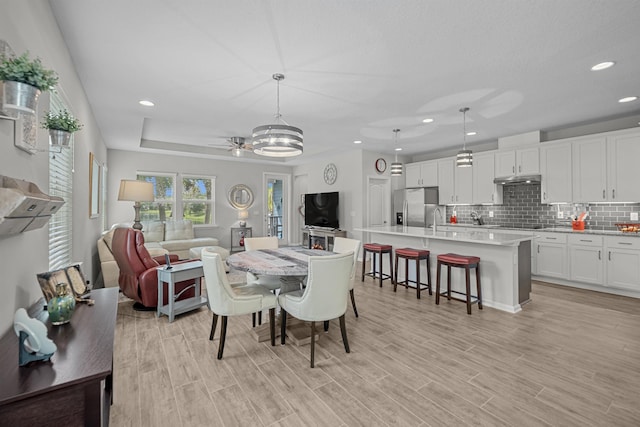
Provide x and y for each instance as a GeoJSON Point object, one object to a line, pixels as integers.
{"type": "Point", "coordinates": [240, 196]}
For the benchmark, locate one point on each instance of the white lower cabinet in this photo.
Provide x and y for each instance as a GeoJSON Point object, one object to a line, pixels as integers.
{"type": "Point", "coordinates": [551, 255]}
{"type": "Point", "coordinates": [586, 260]}
{"type": "Point", "coordinates": [623, 262]}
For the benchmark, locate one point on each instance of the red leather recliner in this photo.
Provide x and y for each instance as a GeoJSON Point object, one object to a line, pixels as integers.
{"type": "Point", "coordinates": [138, 278]}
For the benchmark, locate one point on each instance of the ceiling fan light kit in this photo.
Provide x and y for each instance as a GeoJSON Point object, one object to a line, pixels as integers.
{"type": "Point", "coordinates": [277, 139]}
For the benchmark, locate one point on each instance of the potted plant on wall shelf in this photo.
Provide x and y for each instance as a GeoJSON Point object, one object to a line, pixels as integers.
{"type": "Point", "coordinates": [23, 79]}
{"type": "Point", "coordinates": [61, 125]}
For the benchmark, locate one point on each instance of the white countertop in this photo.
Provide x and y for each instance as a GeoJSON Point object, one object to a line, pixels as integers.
{"type": "Point", "coordinates": [547, 229]}
{"type": "Point", "coordinates": [482, 236]}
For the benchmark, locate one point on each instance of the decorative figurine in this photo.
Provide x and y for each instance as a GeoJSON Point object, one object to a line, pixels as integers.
{"type": "Point", "coordinates": [34, 345]}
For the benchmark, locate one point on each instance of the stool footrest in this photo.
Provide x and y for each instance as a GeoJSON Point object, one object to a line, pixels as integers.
{"type": "Point", "coordinates": [474, 299]}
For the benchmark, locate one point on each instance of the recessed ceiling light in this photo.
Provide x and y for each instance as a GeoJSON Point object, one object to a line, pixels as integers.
{"type": "Point", "coordinates": [628, 99]}
{"type": "Point", "coordinates": [146, 103]}
{"type": "Point", "coordinates": [427, 121]}
{"type": "Point", "coordinates": [472, 133]}
{"type": "Point", "coordinates": [602, 66]}
{"type": "Point", "coordinates": [398, 149]}
{"type": "Point", "coordinates": [357, 142]}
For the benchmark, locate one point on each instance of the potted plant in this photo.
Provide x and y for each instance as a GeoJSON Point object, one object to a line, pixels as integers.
{"type": "Point", "coordinates": [23, 79]}
{"type": "Point", "coordinates": [61, 125]}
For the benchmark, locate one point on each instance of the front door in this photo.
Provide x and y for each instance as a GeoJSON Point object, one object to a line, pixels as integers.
{"type": "Point", "coordinates": [276, 206]}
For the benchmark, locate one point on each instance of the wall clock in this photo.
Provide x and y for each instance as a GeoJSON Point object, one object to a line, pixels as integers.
{"type": "Point", "coordinates": [381, 165]}
{"type": "Point", "coordinates": [330, 173]}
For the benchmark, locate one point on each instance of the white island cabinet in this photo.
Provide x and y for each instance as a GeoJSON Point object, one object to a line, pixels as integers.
{"type": "Point", "coordinates": [505, 266]}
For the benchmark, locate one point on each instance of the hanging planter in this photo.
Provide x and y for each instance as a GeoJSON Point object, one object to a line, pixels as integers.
{"type": "Point", "coordinates": [23, 80]}
{"type": "Point", "coordinates": [61, 126]}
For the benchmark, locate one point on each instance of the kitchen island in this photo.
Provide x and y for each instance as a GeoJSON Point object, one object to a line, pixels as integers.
{"type": "Point", "coordinates": [505, 266]}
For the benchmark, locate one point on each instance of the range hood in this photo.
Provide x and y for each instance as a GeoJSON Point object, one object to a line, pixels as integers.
{"type": "Point", "coordinates": [520, 179]}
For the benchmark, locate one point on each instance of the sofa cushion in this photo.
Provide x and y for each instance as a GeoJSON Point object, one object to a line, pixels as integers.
{"type": "Point", "coordinates": [178, 230]}
{"type": "Point", "coordinates": [186, 244]}
{"type": "Point", "coordinates": [153, 231]}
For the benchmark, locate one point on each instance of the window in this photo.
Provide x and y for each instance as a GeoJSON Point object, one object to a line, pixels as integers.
{"type": "Point", "coordinates": [189, 197]}
{"type": "Point", "coordinates": [197, 199]}
{"type": "Point", "coordinates": [165, 197]}
{"type": "Point", "coordinates": [61, 185]}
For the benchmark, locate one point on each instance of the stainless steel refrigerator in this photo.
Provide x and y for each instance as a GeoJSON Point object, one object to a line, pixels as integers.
{"type": "Point", "coordinates": [416, 206]}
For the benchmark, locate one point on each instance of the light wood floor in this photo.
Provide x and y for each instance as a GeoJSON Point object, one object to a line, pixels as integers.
{"type": "Point", "coordinates": [570, 358]}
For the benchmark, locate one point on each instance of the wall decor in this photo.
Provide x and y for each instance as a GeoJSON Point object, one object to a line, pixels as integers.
{"type": "Point", "coordinates": [381, 165]}
{"type": "Point", "coordinates": [94, 185]}
{"type": "Point", "coordinates": [330, 173]}
{"type": "Point", "coordinates": [34, 345]}
{"type": "Point", "coordinates": [240, 197]}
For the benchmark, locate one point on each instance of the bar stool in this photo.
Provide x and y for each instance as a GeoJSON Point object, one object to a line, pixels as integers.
{"type": "Point", "coordinates": [409, 254]}
{"type": "Point", "coordinates": [377, 248]}
{"type": "Point", "coordinates": [460, 261]}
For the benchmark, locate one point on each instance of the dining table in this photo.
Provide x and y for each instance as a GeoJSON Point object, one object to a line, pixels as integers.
{"type": "Point", "coordinates": [287, 261]}
{"type": "Point", "coordinates": [291, 264]}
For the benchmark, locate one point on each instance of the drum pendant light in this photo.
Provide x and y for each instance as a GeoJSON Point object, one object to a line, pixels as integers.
{"type": "Point", "coordinates": [464, 159]}
{"type": "Point", "coordinates": [396, 166]}
{"type": "Point", "coordinates": [277, 139]}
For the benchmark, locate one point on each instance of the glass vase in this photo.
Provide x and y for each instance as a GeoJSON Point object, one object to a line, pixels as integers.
{"type": "Point", "coordinates": [61, 306]}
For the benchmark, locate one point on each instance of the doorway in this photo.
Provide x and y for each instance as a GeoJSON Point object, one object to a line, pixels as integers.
{"type": "Point", "coordinates": [276, 206]}
{"type": "Point", "coordinates": [378, 201]}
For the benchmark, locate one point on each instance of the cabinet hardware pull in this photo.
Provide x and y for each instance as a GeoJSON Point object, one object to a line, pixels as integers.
{"type": "Point", "coordinates": [624, 243]}
{"type": "Point", "coordinates": [520, 168]}
{"type": "Point", "coordinates": [544, 195]}
{"type": "Point", "coordinates": [599, 255]}
{"type": "Point", "coordinates": [613, 192]}
{"type": "Point", "coordinates": [604, 194]}
{"type": "Point", "coordinates": [538, 248]}
{"type": "Point", "coordinates": [609, 255]}
{"type": "Point", "coordinates": [513, 169]}
{"type": "Point", "coordinates": [551, 238]}
{"type": "Point", "coordinates": [585, 240]}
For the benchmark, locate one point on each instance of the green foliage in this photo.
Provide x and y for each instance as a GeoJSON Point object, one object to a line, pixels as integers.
{"type": "Point", "coordinates": [61, 121]}
{"type": "Point", "coordinates": [24, 70]}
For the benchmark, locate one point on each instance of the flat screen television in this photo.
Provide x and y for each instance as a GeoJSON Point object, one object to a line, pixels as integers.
{"type": "Point", "coordinates": [321, 210]}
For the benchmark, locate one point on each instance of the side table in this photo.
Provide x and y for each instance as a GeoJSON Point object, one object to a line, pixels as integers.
{"type": "Point", "coordinates": [179, 273]}
{"type": "Point", "coordinates": [237, 237]}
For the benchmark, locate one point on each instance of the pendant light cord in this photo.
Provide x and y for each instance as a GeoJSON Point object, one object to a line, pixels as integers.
{"type": "Point", "coordinates": [464, 127]}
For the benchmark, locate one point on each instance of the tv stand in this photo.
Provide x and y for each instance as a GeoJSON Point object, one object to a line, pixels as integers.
{"type": "Point", "coordinates": [321, 236]}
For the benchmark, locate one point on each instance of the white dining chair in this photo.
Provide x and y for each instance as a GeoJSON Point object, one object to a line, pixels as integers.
{"type": "Point", "coordinates": [271, 283]}
{"type": "Point", "coordinates": [225, 300]}
{"type": "Point", "coordinates": [323, 299]}
{"type": "Point", "coordinates": [342, 245]}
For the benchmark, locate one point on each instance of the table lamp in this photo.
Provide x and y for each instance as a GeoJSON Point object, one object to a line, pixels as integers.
{"type": "Point", "coordinates": [136, 191]}
{"type": "Point", "coordinates": [242, 216]}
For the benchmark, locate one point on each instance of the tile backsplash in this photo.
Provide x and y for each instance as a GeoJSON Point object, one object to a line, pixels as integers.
{"type": "Point", "coordinates": [521, 207]}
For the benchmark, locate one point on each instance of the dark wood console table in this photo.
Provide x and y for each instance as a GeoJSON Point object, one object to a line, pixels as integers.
{"type": "Point", "coordinates": [74, 388]}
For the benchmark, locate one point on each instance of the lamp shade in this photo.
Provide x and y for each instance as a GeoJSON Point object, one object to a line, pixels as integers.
{"type": "Point", "coordinates": [135, 191]}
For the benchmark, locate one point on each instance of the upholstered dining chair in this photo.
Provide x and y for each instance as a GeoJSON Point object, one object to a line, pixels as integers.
{"type": "Point", "coordinates": [324, 298]}
{"type": "Point", "coordinates": [269, 282]}
{"type": "Point", "coordinates": [342, 245]}
{"type": "Point", "coordinates": [225, 300]}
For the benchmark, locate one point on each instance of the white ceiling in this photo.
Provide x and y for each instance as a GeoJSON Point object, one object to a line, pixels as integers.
{"type": "Point", "coordinates": [355, 69]}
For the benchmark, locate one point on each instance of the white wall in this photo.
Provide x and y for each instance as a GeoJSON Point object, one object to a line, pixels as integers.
{"type": "Point", "coordinates": [354, 166]}
{"type": "Point", "coordinates": [125, 165]}
{"type": "Point", "coordinates": [31, 26]}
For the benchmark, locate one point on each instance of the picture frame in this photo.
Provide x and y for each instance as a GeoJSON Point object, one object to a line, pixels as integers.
{"type": "Point", "coordinates": [71, 275]}
{"type": "Point", "coordinates": [94, 186]}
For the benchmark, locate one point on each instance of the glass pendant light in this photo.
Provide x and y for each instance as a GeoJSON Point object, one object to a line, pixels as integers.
{"type": "Point", "coordinates": [464, 159]}
{"type": "Point", "coordinates": [277, 139]}
{"type": "Point", "coordinates": [396, 166]}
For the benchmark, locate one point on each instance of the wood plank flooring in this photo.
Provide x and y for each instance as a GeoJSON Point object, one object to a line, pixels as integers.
{"type": "Point", "coordinates": [570, 358]}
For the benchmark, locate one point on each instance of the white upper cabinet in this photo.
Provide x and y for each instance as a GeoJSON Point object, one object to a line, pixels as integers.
{"type": "Point", "coordinates": [422, 174]}
{"type": "Point", "coordinates": [525, 161]}
{"type": "Point", "coordinates": [555, 168]}
{"type": "Point", "coordinates": [590, 169]}
{"type": "Point", "coordinates": [484, 190]}
{"type": "Point", "coordinates": [605, 168]}
{"type": "Point", "coordinates": [464, 185]}
{"type": "Point", "coordinates": [623, 154]}
{"type": "Point", "coordinates": [446, 181]}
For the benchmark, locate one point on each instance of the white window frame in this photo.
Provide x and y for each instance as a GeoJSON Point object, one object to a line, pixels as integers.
{"type": "Point", "coordinates": [173, 200]}
{"type": "Point", "coordinates": [211, 202]}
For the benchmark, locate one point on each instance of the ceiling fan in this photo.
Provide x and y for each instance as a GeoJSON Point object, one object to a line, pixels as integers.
{"type": "Point", "coordinates": [237, 145]}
